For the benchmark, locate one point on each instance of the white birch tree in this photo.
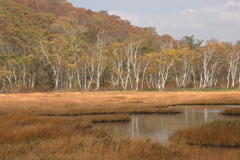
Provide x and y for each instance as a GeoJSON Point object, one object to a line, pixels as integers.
{"type": "Point", "coordinates": [54, 52]}
{"type": "Point", "coordinates": [211, 55]}
{"type": "Point", "coordinates": [233, 56]}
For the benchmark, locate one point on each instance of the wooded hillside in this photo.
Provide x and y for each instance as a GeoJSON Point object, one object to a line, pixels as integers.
{"type": "Point", "coordinates": [49, 44]}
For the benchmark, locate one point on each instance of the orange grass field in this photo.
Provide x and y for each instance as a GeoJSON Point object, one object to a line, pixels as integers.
{"type": "Point", "coordinates": [58, 125]}
{"type": "Point", "coordinates": [90, 102]}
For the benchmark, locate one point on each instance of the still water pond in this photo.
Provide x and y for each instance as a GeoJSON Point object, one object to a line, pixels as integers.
{"type": "Point", "coordinates": [160, 127]}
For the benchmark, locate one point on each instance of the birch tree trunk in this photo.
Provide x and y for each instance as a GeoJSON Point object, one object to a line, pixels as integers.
{"type": "Point", "coordinates": [211, 56]}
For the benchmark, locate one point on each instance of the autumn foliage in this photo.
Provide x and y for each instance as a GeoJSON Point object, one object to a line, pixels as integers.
{"type": "Point", "coordinates": [51, 45]}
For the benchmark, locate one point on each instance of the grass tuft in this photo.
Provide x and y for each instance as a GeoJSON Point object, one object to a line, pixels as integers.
{"type": "Point", "coordinates": [220, 133]}
{"type": "Point", "coordinates": [231, 111]}
{"type": "Point", "coordinates": [110, 118]}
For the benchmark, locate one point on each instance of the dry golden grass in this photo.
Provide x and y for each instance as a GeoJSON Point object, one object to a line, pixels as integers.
{"type": "Point", "coordinates": [88, 148]}
{"type": "Point", "coordinates": [109, 102]}
{"type": "Point", "coordinates": [26, 135]}
{"type": "Point", "coordinates": [220, 133]}
{"type": "Point", "coordinates": [110, 118]}
{"type": "Point", "coordinates": [18, 128]}
{"type": "Point", "coordinates": [231, 111]}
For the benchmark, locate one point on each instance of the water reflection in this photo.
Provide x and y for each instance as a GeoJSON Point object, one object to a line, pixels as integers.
{"type": "Point", "coordinates": [160, 127]}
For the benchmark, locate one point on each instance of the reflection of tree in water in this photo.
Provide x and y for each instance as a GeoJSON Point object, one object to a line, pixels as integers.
{"type": "Point", "coordinates": [160, 127]}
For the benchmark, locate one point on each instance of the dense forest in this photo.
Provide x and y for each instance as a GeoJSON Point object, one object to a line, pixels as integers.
{"type": "Point", "coordinates": [50, 45]}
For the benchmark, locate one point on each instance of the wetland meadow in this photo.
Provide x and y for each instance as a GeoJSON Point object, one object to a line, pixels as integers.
{"type": "Point", "coordinates": [112, 125]}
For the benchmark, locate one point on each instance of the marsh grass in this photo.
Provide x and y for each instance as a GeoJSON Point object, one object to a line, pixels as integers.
{"type": "Point", "coordinates": [26, 135]}
{"type": "Point", "coordinates": [89, 148]}
{"type": "Point", "coordinates": [110, 118]}
{"type": "Point", "coordinates": [20, 128]}
{"type": "Point", "coordinates": [231, 111]}
{"type": "Point", "coordinates": [152, 110]}
{"type": "Point", "coordinates": [219, 133]}
{"type": "Point", "coordinates": [156, 111]}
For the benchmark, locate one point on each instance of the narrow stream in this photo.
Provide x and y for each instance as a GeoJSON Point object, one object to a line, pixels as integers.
{"type": "Point", "coordinates": [160, 127]}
